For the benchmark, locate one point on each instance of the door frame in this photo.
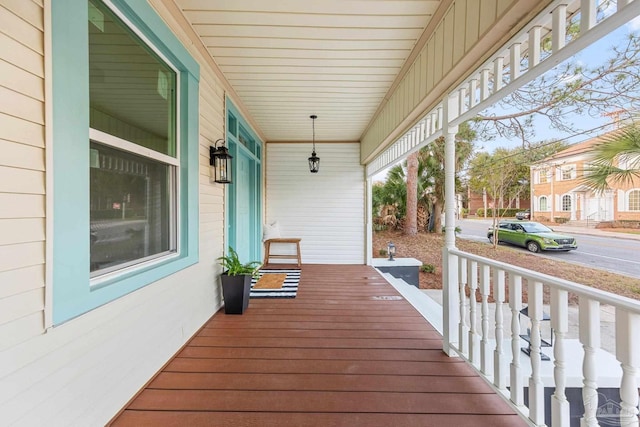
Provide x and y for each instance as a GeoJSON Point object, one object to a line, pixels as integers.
{"type": "Point", "coordinates": [242, 140]}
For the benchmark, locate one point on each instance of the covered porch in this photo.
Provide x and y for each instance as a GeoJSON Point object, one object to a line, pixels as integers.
{"type": "Point", "coordinates": [349, 350]}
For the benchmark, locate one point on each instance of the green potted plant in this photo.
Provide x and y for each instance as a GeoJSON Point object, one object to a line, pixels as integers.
{"type": "Point", "coordinates": [236, 282]}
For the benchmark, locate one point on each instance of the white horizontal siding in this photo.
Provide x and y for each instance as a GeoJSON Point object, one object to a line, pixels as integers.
{"type": "Point", "coordinates": [83, 371]}
{"type": "Point", "coordinates": [325, 210]}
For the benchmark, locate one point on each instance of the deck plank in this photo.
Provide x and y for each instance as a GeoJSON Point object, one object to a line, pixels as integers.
{"type": "Point", "coordinates": [347, 351]}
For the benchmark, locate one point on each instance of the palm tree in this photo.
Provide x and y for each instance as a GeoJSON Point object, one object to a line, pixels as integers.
{"type": "Point", "coordinates": [616, 160]}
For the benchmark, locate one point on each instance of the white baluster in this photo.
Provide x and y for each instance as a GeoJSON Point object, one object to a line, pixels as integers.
{"type": "Point", "coordinates": [485, 350]}
{"type": "Point", "coordinates": [473, 93]}
{"type": "Point", "coordinates": [588, 10]}
{"type": "Point", "coordinates": [462, 98]}
{"type": "Point", "coordinates": [499, 365]}
{"type": "Point", "coordinates": [498, 69]}
{"type": "Point", "coordinates": [559, 26]}
{"type": "Point", "coordinates": [560, 326]}
{"type": "Point", "coordinates": [628, 354]}
{"type": "Point", "coordinates": [534, 46]}
{"type": "Point", "coordinates": [514, 61]}
{"type": "Point", "coordinates": [484, 84]}
{"type": "Point", "coordinates": [474, 338]}
{"type": "Point", "coordinates": [463, 330]}
{"type": "Point", "coordinates": [515, 303]}
{"type": "Point", "coordinates": [589, 319]}
{"type": "Point", "coordinates": [536, 387]}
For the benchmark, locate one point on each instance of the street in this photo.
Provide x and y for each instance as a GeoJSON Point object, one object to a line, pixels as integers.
{"type": "Point", "coordinates": [611, 253]}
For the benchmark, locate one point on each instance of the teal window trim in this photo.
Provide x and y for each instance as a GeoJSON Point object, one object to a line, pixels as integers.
{"type": "Point", "coordinates": [72, 294]}
{"type": "Point", "coordinates": [255, 156]}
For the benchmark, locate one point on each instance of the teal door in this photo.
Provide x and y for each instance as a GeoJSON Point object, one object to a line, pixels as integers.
{"type": "Point", "coordinates": [243, 224]}
{"type": "Point", "coordinates": [244, 206]}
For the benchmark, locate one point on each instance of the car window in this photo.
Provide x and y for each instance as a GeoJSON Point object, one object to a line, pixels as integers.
{"type": "Point", "coordinates": [535, 227]}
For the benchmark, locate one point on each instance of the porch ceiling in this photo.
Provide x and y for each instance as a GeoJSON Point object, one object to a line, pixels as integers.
{"type": "Point", "coordinates": [288, 59]}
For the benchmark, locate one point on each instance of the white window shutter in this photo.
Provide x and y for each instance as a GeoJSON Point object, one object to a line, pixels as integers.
{"type": "Point", "coordinates": [574, 172]}
{"type": "Point", "coordinates": [622, 201]}
{"type": "Point", "coordinates": [558, 204]}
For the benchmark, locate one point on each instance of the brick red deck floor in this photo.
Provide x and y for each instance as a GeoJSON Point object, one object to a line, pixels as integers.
{"type": "Point", "coordinates": [342, 353]}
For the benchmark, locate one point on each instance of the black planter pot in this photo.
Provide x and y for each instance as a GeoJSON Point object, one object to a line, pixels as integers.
{"type": "Point", "coordinates": [235, 291]}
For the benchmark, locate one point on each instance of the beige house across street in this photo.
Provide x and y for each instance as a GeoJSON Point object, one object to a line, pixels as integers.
{"type": "Point", "coordinates": [559, 194]}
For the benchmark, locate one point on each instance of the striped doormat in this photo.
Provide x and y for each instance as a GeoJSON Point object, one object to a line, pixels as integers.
{"type": "Point", "coordinates": [289, 287]}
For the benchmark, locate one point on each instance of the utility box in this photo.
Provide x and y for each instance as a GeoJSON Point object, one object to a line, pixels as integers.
{"type": "Point", "coordinates": [407, 269]}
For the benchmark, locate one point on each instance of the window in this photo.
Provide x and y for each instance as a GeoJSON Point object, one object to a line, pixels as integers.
{"type": "Point", "coordinates": [133, 192]}
{"type": "Point", "coordinates": [567, 172]}
{"type": "Point", "coordinates": [634, 200]}
{"type": "Point", "coordinates": [542, 202]}
{"type": "Point", "coordinates": [542, 176]}
{"type": "Point", "coordinates": [125, 158]}
{"type": "Point", "coordinates": [566, 203]}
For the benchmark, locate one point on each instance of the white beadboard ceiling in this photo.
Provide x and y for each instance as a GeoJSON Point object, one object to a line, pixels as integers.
{"type": "Point", "coordinates": [289, 59]}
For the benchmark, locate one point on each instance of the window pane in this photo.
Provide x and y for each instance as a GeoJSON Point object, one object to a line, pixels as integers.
{"type": "Point", "coordinates": [130, 207]}
{"type": "Point", "coordinates": [543, 204]}
{"type": "Point", "coordinates": [543, 176]}
{"type": "Point", "coordinates": [634, 200]}
{"type": "Point", "coordinates": [566, 203]}
{"type": "Point", "coordinates": [132, 91]}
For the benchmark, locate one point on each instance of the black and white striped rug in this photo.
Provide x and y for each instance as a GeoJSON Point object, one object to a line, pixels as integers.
{"type": "Point", "coordinates": [289, 287]}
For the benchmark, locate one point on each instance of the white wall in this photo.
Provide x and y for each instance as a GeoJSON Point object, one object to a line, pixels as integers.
{"type": "Point", "coordinates": [327, 209]}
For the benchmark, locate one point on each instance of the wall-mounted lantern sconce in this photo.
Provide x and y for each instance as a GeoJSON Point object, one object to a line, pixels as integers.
{"type": "Point", "coordinates": [314, 161]}
{"type": "Point", "coordinates": [391, 250]}
{"type": "Point", "coordinates": [220, 159]}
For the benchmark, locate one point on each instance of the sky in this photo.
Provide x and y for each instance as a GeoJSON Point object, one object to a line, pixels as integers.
{"type": "Point", "coordinates": [590, 57]}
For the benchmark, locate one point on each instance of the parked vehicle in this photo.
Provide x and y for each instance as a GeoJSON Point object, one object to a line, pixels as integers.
{"type": "Point", "coordinates": [531, 235]}
{"type": "Point", "coordinates": [526, 214]}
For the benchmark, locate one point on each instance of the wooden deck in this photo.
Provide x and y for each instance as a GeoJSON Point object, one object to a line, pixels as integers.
{"type": "Point", "coordinates": [342, 353]}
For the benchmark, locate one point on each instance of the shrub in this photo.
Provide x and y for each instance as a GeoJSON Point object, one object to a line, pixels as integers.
{"type": "Point", "coordinates": [428, 268]}
{"type": "Point", "coordinates": [382, 252]}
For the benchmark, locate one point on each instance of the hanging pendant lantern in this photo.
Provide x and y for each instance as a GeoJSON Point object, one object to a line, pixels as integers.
{"type": "Point", "coordinates": [314, 160]}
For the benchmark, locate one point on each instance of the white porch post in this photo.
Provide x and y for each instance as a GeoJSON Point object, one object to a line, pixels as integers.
{"type": "Point", "coordinates": [369, 220]}
{"type": "Point", "coordinates": [450, 294]}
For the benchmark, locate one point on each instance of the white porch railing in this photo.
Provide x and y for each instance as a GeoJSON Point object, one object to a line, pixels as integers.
{"type": "Point", "coordinates": [518, 62]}
{"type": "Point", "coordinates": [494, 348]}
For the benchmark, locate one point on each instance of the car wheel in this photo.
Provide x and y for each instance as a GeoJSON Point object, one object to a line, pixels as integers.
{"type": "Point", "coordinates": [533, 246]}
{"type": "Point", "coordinates": [490, 236]}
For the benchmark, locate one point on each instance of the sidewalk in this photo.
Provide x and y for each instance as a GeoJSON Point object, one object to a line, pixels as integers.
{"type": "Point", "coordinates": [594, 232]}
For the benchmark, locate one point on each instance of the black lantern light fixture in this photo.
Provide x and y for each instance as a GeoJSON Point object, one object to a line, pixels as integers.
{"type": "Point", "coordinates": [391, 250]}
{"type": "Point", "coordinates": [220, 159]}
{"type": "Point", "coordinates": [314, 161]}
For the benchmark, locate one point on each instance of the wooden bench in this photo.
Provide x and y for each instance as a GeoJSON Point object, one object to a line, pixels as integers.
{"type": "Point", "coordinates": [268, 255]}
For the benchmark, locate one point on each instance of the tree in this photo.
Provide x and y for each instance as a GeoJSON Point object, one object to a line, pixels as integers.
{"type": "Point", "coordinates": [615, 160]}
{"type": "Point", "coordinates": [570, 88]}
{"type": "Point", "coordinates": [411, 222]}
{"type": "Point", "coordinates": [431, 170]}
{"type": "Point", "coordinates": [504, 174]}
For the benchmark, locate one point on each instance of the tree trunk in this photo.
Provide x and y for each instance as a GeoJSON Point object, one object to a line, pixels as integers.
{"type": "Point", "coordinates": [411, 220]}
{"type": "Point", "coordinates": [437, 221]}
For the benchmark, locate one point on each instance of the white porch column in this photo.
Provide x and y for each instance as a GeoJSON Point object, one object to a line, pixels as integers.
{"type": "Point", "coordinates": [369, 220]}
{"type": "Point", "coordinates": [583, 207]}
{"type": "Point", "coordinates": [450, 303]}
